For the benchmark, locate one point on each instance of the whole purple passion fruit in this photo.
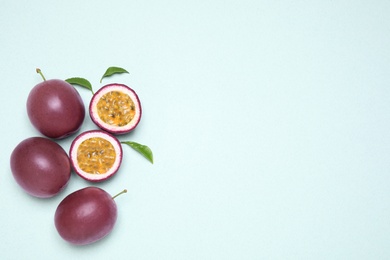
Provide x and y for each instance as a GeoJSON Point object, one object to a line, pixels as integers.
{"type": "Point", "coordinates": [55, 108]}
{"type": "Point", "coordinates": [86, 216]}
{"type": "Point", "coordinates": [95, 155]}
{"type": "Point", "coordinates": [115, 108]}
{"type": "Point", "coordinates": [40, 166]}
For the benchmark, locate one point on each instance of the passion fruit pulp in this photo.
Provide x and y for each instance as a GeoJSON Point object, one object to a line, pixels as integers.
{"type": "Point", "coordinates": [95, 155]}
{"type": "Point", "coordinates": [115, 108]}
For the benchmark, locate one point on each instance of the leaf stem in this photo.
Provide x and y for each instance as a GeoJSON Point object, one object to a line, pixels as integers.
{"type": "Point", "coordinates": [124, 191]}
{"type": "Point", "coordinates": [40, 72]}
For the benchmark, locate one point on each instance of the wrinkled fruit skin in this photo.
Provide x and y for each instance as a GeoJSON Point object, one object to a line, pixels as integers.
{"type": "Point", "coordinates": [40, 166]}
{"type": "Point", "coordinates": [55, 108]}
{"type": "Point", "coordinates": [85, 216]}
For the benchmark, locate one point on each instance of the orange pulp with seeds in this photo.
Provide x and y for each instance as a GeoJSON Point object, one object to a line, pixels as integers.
{"type": "Point", "coordinates": [96, 155]}
{"type": "Point", "coordinates": [116, 108]}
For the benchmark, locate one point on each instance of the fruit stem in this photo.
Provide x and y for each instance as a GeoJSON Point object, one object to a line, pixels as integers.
{"type": "Point", "coordinates": [40, 72]}
{"type": "Point", "coordinates": [124, 191]}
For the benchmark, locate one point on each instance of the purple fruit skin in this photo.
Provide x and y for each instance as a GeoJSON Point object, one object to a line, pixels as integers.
{"type": "Point", "coordinates": [55, 108]}
{"type": "Point", "coordinates": [85, 216]}
{"type": "Point", "coordinates": [40, 166]}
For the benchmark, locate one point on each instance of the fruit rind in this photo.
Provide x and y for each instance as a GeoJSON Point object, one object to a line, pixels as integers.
{"type": "Point", "coordinates": [85, 216]}
{"type": "Point", "coordinates": [110, 128]}
{"type": "Point", "coordinates": [55, 108]}
{"type": "Point", "coordinates": [91, 134]}
{"type": "Point", "coordinates": [40, 166]}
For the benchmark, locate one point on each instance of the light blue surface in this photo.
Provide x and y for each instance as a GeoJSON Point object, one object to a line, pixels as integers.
{"type": "Point", "coordinates": [269, 122]}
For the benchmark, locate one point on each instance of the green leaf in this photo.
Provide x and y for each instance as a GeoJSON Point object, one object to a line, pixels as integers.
{"type": "Point", "coordinates": [80, 82]}
{"type": "Point", "coordinates": [113, 70]}
{"type": "Point", "coordinates": [142, 149]}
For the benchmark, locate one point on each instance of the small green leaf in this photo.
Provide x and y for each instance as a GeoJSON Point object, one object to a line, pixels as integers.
{"type": "Point", "coordinates": [113, 70]}
{"type": "Point", "coordinates": [80, 82]}
{"type": "Point", "coordinates": [142, 149]}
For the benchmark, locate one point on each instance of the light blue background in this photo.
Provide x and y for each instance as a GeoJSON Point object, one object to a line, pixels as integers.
{"type": "Point", "coordinates": [269, 122]}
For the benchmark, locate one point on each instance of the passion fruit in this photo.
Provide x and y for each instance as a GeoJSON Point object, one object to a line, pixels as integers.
{"type": "Point", "coordinates": [40, 166]}
{"type": "Point", "coordinates": [86, 216]}
{"type": "Point", "coordinates": [95, 155]}
{"type": "Point", "coordinates": [55, 108]}
{"type": "Point", "coordinates": [115, 108]}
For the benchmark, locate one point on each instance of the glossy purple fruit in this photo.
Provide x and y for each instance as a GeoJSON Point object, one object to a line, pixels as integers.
{"type": "Point", "coordinates": [86, 216]}
{"type": "Point", "coordinates": [55, 108]}
{"type": "Point", "coordinates": [40, 166]}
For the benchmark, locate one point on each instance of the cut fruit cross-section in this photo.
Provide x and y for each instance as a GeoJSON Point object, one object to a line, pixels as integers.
{"type": "Point", "coordinates": [95, 155]}
{"type": "Point", "coordinates": [115, 108]}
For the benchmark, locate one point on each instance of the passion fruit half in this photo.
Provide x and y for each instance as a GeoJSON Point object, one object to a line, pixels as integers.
{"type": "Point", "coordinates": [115, 108]}
{"type": "Point", "coordinates": [95, 155]}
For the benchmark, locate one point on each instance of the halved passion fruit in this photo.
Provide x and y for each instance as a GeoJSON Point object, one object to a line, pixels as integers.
{"type": "Point", "coordinates": [115, 108]}
{"type": "Point", "coordinates": [95, 155]}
